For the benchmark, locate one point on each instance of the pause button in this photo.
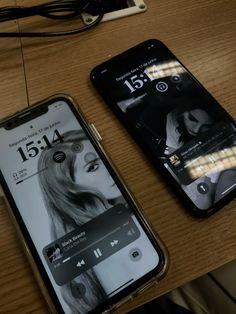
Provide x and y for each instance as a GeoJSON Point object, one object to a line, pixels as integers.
{"type": "Point", "coordinates": [97, 253]}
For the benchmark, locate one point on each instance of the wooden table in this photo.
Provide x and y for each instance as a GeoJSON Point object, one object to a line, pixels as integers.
{"type": "Point", "coordinates": [202, 35]}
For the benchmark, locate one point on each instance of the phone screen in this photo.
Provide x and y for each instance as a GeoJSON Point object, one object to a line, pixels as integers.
{"type": "Point", "coordinates": [179, 124]}
{"type": "Point", "coordinates": [89, 240]}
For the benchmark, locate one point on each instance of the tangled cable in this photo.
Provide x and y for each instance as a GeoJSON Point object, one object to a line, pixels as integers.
{"type": "Point", "coordinates": [57, 10]}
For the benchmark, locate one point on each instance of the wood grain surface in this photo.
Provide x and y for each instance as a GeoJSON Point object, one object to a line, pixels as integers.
{"type": "Point", "coordinates": [202, 35]}
{"type": "Point", "coordinates": [12, 76]}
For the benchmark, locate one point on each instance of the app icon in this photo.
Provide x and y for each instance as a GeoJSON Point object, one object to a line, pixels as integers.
{"type": "Point", "coordinates": [59, 156]}
{"type": "Point", "coordinates": [135, 254]}
{"type": "Point", "coordinates": [174, 160]}
{"type": "Point", "coordinates": [161, 87]}
{"type": "Point", "coordinates": [203, 188]}
{"type": "Point", "coordinates": [175, 78]}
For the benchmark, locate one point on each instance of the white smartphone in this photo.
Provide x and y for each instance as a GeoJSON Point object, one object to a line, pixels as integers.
{"type": "Point", "coordinates": [84, 231]}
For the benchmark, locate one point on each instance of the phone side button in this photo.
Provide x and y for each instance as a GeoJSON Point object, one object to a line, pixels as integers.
{"type": "Point", "coordinates": [95, 132]}
{"type": "Point", "coordinates": [145, 287]}
{"type": "Point", "coordinates": [117, 305]}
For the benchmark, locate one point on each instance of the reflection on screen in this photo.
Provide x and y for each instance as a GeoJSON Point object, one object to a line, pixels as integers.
{"type": "Point", "coordinates": [180, 122]}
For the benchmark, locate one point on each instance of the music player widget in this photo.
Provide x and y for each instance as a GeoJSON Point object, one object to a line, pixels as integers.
{"type": "Point", "coordinates": [88, 245]}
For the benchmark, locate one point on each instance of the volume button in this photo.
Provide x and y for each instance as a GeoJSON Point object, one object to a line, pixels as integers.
{"type": "Point", "coordinates": [95, 132]}
{"type": "Point", "coordinates": [1, 192]}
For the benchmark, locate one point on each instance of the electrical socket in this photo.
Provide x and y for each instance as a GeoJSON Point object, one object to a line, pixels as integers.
{"type": "Point", "coordinates": [133, 7]}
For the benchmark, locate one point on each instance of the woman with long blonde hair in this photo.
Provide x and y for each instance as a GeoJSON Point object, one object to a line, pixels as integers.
{"type": "Point", "coordinates": [75, 191]}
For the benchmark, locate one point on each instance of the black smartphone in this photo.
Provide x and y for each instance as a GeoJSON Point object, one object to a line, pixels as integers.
{"type": "Point", "coordinates": [179, 125]}
{"type": "Point", "coordinates": [84, 231]}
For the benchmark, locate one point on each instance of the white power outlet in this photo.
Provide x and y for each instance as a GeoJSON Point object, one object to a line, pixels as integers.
{"type": "Point", "coordinates": [133, 7]}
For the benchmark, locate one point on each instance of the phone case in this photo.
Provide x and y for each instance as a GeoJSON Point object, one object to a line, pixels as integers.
{"type": "Point", "coordinates": [92, 131]}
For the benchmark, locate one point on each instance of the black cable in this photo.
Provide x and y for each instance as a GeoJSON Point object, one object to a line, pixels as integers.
{"type": "Point", "coordinates": [225, 291]}
{"type": "Point", "coordinates": [57, 10]}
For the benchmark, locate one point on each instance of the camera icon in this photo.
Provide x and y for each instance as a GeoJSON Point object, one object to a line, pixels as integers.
{"type": "Point", "coordinates": [161, 87]}
{"type": "Point", "coordinates": [135, 254]}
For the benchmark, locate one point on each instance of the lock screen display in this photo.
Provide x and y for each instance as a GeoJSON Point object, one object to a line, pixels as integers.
{"type": "Point", "coordinates": [88, 239]}
{"type": "Point", "coordinates": [179, 122]}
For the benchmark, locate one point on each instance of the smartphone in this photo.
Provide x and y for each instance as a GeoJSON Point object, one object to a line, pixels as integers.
{"type": "Point", "coordinates": [188, 136]}
{"type": "Point", "coordinates": [84, 232]}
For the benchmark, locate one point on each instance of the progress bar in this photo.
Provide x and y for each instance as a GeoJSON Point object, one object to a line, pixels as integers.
{"type": "Point", "coordinates": [18, 182]}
